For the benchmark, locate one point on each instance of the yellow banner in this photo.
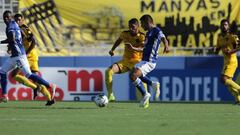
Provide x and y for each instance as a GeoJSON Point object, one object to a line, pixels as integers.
{"type": "Point", "coordinates": [187, 23]}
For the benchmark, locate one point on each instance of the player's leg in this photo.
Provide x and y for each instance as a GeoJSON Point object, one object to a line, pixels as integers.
{"type": "Point", "coordinates": [129, 66]}
{"type": "Point", "coordinates": [235, 94]}
{"type": "Point", "coordinates": [47, 94]}
{"type": "Point", "coordinates": [4, 87]}
{"type": "Point", "coordinates": [44, 91]}
{"type": "Point", "coordinates": [226, 78]}
{"type": "Point", "coordinates": [142, 69]}
{"type": "Point", "coordinates": [139, 71]}
{"type": "Point", "coordinates": [25, 68]}
{"type": "Point", "coordinates": [40, 80]}
{"type": "Point", "coordinates": [233, 87]}
{"type": "Point", "coordinates": [155, 86]}
{"type": "Point", "coordinates": [6, 67]}
{"type": "Point", "coordinates": [33, 62]}
{"type": "Point", "coordinates": [115, 68]}
{"type": "Point", "coordinates": [134, 76]}
{"type": "Point", "coordinates": [23, 80]}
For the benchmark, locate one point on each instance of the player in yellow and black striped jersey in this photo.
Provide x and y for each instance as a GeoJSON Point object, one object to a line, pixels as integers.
{"type": "Point", "coordinates": [32, 56]}
{"type": "Point", "coordinates": [229, 44]}
{"type": "Point", "coordinates": [133, 40]}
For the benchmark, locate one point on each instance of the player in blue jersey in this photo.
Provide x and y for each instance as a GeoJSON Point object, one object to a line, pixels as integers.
{"type": "Point", "coordinates": [18, 58]}
{"type": "Point", "coordinates": [152, 42]}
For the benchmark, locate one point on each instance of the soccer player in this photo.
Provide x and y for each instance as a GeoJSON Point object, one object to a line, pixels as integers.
{"type": "Point", "coordinates": [134, 41]}
{"type": "Point", "coordinates": [18, 58]}
{"type": "Point", "coordinates": [152, 42]}
{"type": "Point", "coordinates": [228, 43]}
{"type": "Point", "coordinates": [32, 56]}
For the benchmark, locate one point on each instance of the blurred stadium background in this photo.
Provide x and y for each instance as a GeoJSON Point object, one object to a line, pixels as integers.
{"type": "Point", "coordinates": [74, 37]}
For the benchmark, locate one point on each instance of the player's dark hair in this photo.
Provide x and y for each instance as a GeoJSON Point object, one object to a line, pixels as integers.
{"type": "Point", "coordinates": [147, 18]}
{"type": "Point", "coordinates": [18, 15]}
{"type": "Point", "coordinates": [133, 21]}
{"type": "Point", "coordinates": [7, 12]}
{"type": "Point", "coordinates": [224, 20]}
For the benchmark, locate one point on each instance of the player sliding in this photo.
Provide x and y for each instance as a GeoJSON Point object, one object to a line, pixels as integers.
{"type": "Point", "coordinates": [134, 41]}
{"type": "Point", "coordinates": [229, 44]}
{"type": "Point", "coordinates": [18, 58]}
{"type": "Point", "coordinates": [152, 42]}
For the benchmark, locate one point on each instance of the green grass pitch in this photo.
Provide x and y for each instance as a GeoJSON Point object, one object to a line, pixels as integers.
{"type": "Point", "coordinates": [85, 118]}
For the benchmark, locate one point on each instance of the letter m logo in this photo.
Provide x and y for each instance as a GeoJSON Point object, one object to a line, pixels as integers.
{"type": "Point", "coordinates": [84, 76]}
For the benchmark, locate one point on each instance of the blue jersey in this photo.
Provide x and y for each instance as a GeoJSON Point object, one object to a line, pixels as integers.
{"type": "Point", "coordinates": [151, 44]}
{"type": "Point", "coordinates": [16, 47]}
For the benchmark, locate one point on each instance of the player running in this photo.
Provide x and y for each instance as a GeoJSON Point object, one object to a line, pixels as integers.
{"type": "Point", "coordinates": [152, 42]}
{"type": "Point", "coordinates": [32, 56]}
{"type": "Point", "coordinates": [229, 44]}
{"type": "Point", "coordinates": [18, 58]}
{"type": "Point", "coordinates": [134, 41]}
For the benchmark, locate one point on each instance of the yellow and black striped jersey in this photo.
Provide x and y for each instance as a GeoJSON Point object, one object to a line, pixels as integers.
{"type": "Point", "coordinates": [130, 41]}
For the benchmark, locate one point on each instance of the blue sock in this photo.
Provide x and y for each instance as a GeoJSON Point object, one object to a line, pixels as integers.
{"type": "Point", "coordinates": [146, 80]}
{"type": "Point", "coordinates": [39, 80]}
{"type": "Point", "coordinates": [138, 83]}
{"type": "Point", "coordinates": [4, 83]}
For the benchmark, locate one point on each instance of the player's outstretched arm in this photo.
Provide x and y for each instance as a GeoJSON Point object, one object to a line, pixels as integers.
{"type": "Point", "coordinates": [166, 46]}
{"type": "Point", "coordinates": [115, 45]}
{"type": "Point", "coordinates": [6, 41]}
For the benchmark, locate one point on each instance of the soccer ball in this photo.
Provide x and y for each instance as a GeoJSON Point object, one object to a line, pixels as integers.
{"type": "Point", "coordinates": [101, 100]}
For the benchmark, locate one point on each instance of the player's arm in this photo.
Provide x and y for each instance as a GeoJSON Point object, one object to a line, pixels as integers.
{"type": "Point", "coordinates": [11, 37]}
{"type": "Point", "coordinates": [10, 40]}
{"type": "Point", "coordinates": [139, 49]}
{"type": "Point", "coordinates": [115, 45]}
{"type": "Point", "coordinates": [166, 46]}
{"type": "Point", "coordinates": [33, 44]}
{"type": "Point", "coordinates": [217, 48]}
{"type": "Point", "coordinates": [6, 41]}
{"type": "Point", "coordinates": [235, 44]}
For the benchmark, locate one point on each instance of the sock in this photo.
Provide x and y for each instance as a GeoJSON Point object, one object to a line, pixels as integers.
{"type": "Point", "coordinates": [138, 93]}
{"type": "Point", "coordinates": [45, 92]}
{"type": "Point", "coordinates": [138, 83]}
{"type": "Point", "coordinates": [238, 79]}
{"type": "Point", "coordinates": [4, 83]}
{"type": "Point", "coordinates": [25, 81]}
{"type": "Point", "coordinates": [230, 83]}
{"type": "Point", "coordinates": [108, 80]}
{"type": "Point", "coordinates": [146, 80]}
{"type": "Point", "coordinates": [235, 93]}
{"type": "Point", "coordinates": [39, 80]}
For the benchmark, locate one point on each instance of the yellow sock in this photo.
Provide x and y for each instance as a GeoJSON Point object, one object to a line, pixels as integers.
{"type": "Point", "coordinates": [45, 92]}
{"type": "Point", "coordinates": [238, 79]}
{"type": "Point", "coordinates": [108, 80]}
{"type": "Point", "coordinates": [235, 93]}
{"type": "Point", "coordinates": [23, 80]}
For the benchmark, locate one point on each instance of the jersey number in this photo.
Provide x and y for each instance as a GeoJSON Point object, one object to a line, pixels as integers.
{"type": "Point", "coordinates": [19, 64]}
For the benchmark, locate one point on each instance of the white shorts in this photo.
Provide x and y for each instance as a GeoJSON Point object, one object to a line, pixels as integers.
{"type": "Point", "coordinates": [145, 67]}
{"type": "Point", "coordinates": [13, 62]}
